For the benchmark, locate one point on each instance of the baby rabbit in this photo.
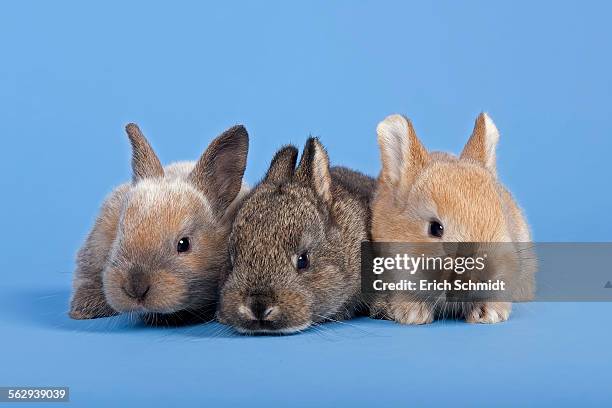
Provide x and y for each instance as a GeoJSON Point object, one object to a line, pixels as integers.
{"type": "Point", "coordinates": [159, 243]}
{"type": "Point", "coordinates": [295, 246]}
{"type": "Point", "coordinates": [435, 197]}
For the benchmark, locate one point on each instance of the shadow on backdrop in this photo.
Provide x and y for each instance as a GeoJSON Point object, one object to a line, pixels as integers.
{"type": "Point", "coordinates": [47, 308]}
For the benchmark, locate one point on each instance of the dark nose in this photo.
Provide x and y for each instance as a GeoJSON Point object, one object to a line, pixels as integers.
{"type": "Point", "coordinates": [262, 307]}
{"type": "Point", "coordinates": [137, 285]}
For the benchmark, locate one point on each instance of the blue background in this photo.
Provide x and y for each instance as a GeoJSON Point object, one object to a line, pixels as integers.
{"type": "Point", "coordinates": [72, 74]}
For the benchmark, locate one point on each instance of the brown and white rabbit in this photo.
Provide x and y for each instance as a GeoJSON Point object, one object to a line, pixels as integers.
{"type": "Point", "coordinates": [436, 197]}
{"type": "Point", "coordinates": [159, 243]}
{"type": "Point", "coordinates": [295, 246]}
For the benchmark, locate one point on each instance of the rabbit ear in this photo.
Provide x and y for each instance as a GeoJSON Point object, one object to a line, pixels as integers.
{"type": "Point", "coordinates": [282, 165]}
{"type": "Point", "coordinates": [145, 163]}
{"type": "Point", "coordinates": [483, 142]}
{"type": "Point", "coordinates": [401, 152]}
{"type": "Point", "coordinates": [218, 173]}
{"type": "Point", "coordinates": [314, 168]}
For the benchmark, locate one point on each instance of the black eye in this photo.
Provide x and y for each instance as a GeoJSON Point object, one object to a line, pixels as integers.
{"type": "Point", "coordinates": [183, 245]}
{"type": "Point", "coordinates": [302, 261]}
{"type": "Point", "coordinates": [436, 229]}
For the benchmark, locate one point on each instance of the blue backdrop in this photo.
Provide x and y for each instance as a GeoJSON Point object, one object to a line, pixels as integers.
{"type": "Point", "coordinates": [73, 73]}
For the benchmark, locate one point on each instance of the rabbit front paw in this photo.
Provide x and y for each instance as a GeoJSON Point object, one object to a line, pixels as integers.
{"type": "Point", "coordinates": [412, 312]}
{"type": "Point", "coordinates": [489, 312]}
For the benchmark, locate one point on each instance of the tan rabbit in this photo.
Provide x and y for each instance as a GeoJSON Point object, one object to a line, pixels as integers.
{"type": "Point", "coordinates": [159, 244]}
{"type": "Point", "coordinates": [437, 197]}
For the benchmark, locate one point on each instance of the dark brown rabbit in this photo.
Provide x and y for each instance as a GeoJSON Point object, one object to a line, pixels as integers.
{"type": "Point", "coordinates": [295, 246]}
{"type": "Point", "coordinates": [159, 244]}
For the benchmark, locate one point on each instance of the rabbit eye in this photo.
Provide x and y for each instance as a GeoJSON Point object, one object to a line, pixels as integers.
{"type": "Point", "coordinates": [183, 245]}
{"type": "Point", "coordinates": [302, 261]}
{"type": "Point", "coordinates": [436, 229]}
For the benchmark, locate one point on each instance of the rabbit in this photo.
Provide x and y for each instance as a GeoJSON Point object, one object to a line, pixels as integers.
{"type": "Point", "coordinates": [424, 197]}
{"type": "Point", "coordinates": [295, 246]}
{"type": "Point", "coordinates": [159, 244]}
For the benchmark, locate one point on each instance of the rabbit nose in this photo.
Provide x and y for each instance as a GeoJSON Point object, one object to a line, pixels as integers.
{"type": "Point", "coordinates": [137, 285]}
{"type": "Point", "coordinates": [263, 309]}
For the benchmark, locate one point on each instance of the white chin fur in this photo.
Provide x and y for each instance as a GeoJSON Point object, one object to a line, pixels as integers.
{"type": "Point", "coordinates": [286, 330]}
{"type": "Point", "coordinates": [141, 310]}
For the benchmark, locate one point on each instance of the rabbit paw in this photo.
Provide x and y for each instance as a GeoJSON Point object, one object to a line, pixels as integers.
{"type": "Point", "coordinates": [412, 312]}
{"type": "Point", "coordinates": [489, 312]}
{"type": "Point", "coordinates": [89, 303]}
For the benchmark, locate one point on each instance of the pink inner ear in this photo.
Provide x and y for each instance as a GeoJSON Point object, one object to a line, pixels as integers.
{"type": "Point", "coordinates": [314, 168]}
{"type": "Point", "coordinates": [322, 178]}
{"type": "Point", "coordinates": [482, 143]}
{"type": "Point", "coordinates": [403, 155]}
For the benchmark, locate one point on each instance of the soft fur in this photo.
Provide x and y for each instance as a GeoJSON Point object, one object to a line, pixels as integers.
{"type": "Point", "coordinates": [312, 208]}
{"type": "Point", "coordinates": [132, 248]}
{"type": "Point", "coordinates": [465, 195]}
